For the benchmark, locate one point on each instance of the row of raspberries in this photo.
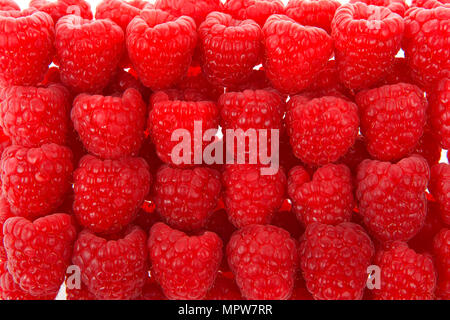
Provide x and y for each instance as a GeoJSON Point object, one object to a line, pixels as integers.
{"type": "Point", "coordinates": [92, 198]}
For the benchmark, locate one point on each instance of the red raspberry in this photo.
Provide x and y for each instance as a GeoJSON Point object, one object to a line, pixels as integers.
{"type": "Point", "coordinates": [5, 214]}
{"type": "Point", "coordinates": [88, 52]}
{"type": "Point", "coordinates": [167, 115]}
{"type": "Point", "coordinates": [287, 220]}
{"type": "Point", "coordinates": [251, 109]}
{"type": "Point", "coordinates": [334, 260]}
{"type": "Point", "coordinates": [392, 119]}
{"type": "Point", "coordinates": [440, 189]}
{"type": "Point", "coordinates": [60, 8]}
{"type": "Point", "coordinates": [366, 39]}
{"type": "Point", "coordinates": [396, 6]}
{"type": "Point", "coordinates": [440, 111]}
{"type": "Point", "coordinates": [39, 252]}
{"type": "Point", "coordinates": [33, 116]}
{"type": "Point", "coordinates": [355, 155]}
{"type": "Point", "coordinates": [27, 47]}
{"type": "Point", "coordinates": [152, 291]}
{"type": "Point", "coordinates": [316, 13]}
{"type": "Point", "coordinates": [122, 81]}
{"type": "Point", "coordinates": [405, 275]}
{"type": "Point", "coordinates": [321, 130]}
{"type": "Point", "coordinates": [426, 43]}
{"type": "Point", "coordinates": [186, 198]}
{"type": "Point", "coordinates": [8, 5]}
{"type": "Point", "coordinates": [112, 269]}
{"type": "Point", "coordinates": [294, 54]}
{"type": "Point", "coordinates": [110, 127]}
{"type": "Point", "coordinates": [423, 241]}
{"type": "Point", "coordinates": [43, 175]}
{"type": "Point", "coordinates": [256, 10]}
{"type": "Point", "coordinates": [224, 288]}
{"type": "Point", "coordinates": [441, 250]}
{"type": "Point", "coordinates": [119, 11]}
{"type": "Point", "coordinates": [327, 198]}
{"type": "Point", "coordinates": [78, 294]}
{"type": "Point", "coordinates": [184, 266]}
{"type": "Point", "coordinates": [326, 82]}
{"type": "Point", "coordinates": [9, 290]}
{"type": "Point", "coordinates": [169, 40]}
{"type": "Point", "coordinates": [251, 197]}
{"type": "Point", "coordinates": [52, 76]}
{"type": "Point", "coordinates": [195, 81]}
{"type": "Point", "coordinates": [429, 147]}
{"type": "Point", "coordinates": [249, 251]}
{"type": "Point", "coordinates": [230, 49]}
{"type": "Point", "coordinates": [196, 9]}
{"type": "Point", "coordinates": [108, 193]}
{"type": "Point", "coordinates": [392, 197]}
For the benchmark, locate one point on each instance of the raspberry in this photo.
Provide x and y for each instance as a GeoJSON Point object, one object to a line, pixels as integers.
{"type": "Point", "coordinates": [196, 9]}
{"type": "Point", "coordinates": [27, 47]}
{"type": "Point", "coordinates": [294, 54]}
{"type": "Point", "coordinates": [392, 197]}
{"type": "Point", "coordinates": [88, 52]}
{"type": "Point", "coordinates": [184, 266]}
{"type": "Point", "coordinates": [423, 241]}
{"type": "Point", "coordinates": [429, 147]}
{"type": "Point", "coordinates": [167, 115]}
{"type": "Point", "coordinates": [440, 111]}
{"type": "Point", "coordinates": [43, 175]}
{"type": "Point", "coordinates": [169, 40]}
{"type": "Point", "coordinates": [147, 216]}
{"type": "Point", "coordinates": [405, 275]}
{"type": "Point", "coordinates": [186, 198]}
{"type": "Point", "coordinates": [426, 43]}
{"type": "Point", "coordinates": [321, 130]}
{"type": "Point", "coordinates": [119, 11]}
{"type": "Point", "coordinates": [326, 82]}
{"type": "Point", "coordinates": [287, 220]}
{"type": "Point", "coordinates": [33, 116]}
{"type": "Point", "coordinates": [8, 5]}
{"type": "Point", "coordinates": [230, 49]}
{"type": "Point", "coordinates": [396, 6]}
{"type": "Point", "coordinates": [248, 252]}
{"type": "Point", "coordinates": [5, 214]}
{"type": "Point", "coordinates": [39, 252]}
{"type": "Point", "coordinates": [392, 119]}
{"type": "Point", "coordinates": [110, 127]}
{"type": "Point", "coordinates": [112, 269]}
{"type": "Point", "coordinates": [9, 290]}
{"type": "Point", "coordinates": [256, 10]}
{"type": "Point", "coordinates": [441, 250]}
{"type": "Point", "coordinates": [366, 39]}
{"type": "Point", "coordinates": [60, 8]}
{"type": "Point", "coordinates": [316, 13]}
{"type": "Point", "coordinates": [224, 289]}
{"type": "Point", "coordinates": [440, 189]}
{"type": "Point", "coordinates": [252, 110]}
{"type": "Point", "coordinates": [334, 260]}
{"type": "Point", "coordinates": [196, 82]}
{"type": "Point", "coordinates": [251, 197]}
{"type": "Point", "coordinates": [327, 198]}
{"type": "Point", "coordinates": [108, 193]}
{"type": "Point", "coordinates": [355, 155]}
